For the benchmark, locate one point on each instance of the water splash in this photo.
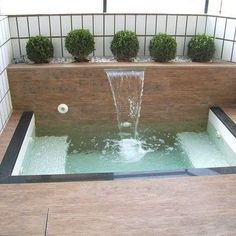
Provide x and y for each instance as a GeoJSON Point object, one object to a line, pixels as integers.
{"type": "Point", "coordinates": [127, 91]}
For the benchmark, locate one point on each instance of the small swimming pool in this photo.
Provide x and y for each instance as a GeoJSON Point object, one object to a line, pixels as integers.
{"type": "Point", "coordinates": [98, 149]}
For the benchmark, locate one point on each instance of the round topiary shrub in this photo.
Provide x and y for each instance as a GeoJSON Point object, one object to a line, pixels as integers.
{"type": "Point", "coordinates": [80, 43]}
{"type": "Point", "coordinates": [162, 47]}
{"type": "Point", "coordinates": [201, 48]}
{"type": "Point", "coordinates": [125, 45]}
{"type": "Point", "coordinates": [39, 49]}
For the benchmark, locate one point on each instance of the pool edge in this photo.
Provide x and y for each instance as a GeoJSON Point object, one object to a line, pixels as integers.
{"type": "Point", "coordinates": [14, 147]}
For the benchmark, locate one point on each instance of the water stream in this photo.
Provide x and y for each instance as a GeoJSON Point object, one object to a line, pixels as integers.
{"type": "Point", "coordinates": [127, 91]}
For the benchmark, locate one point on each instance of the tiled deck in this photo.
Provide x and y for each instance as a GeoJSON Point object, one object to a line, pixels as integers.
{"type": "Point", "coordinates": [174, 206]}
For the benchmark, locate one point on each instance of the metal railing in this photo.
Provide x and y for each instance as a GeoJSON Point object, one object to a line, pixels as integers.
{"type": "Point", "coordinates": [104, 26]}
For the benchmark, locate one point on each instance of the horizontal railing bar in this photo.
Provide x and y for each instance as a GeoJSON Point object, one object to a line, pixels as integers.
{"type": "Point", "coordinates": [120, 14]}
{"type": "Point", "coordinates": [141, 35]}
{"type": "Point", "coordinates": [101, 14]}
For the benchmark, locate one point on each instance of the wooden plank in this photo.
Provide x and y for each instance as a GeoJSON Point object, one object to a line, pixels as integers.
{"type": "Point", "coordinates": [174, 206]}
{"type": "Point", "coordinates": [140, 219]}
{"type": "Point", "coordinates": [8, 132]}
{"type": "Point", "coordinates": [19, 221]}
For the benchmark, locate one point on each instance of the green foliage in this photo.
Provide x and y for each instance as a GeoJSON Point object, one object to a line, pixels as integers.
{"type": "Point", "coordinates": [125, 45]}
{"type": "Point", "coordinates": [80, 43]}
{"type": "Point", "coordinates": [201, 48]}
{"type": "Point", "coordinates": [39, 49]}
{"type": "Point", "coordinates": [162, 47]}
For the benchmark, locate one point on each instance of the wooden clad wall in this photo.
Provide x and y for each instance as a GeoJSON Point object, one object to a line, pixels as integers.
{"type": "Point", "coordinates": [172, 92]}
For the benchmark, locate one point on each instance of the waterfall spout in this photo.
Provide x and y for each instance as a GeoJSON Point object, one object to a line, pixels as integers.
{"type": "Point", "coordinates": [127, 91]}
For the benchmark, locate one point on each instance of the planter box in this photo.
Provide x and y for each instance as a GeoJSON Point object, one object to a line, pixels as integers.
{"type": "Point", "coordinates": [173, 93]}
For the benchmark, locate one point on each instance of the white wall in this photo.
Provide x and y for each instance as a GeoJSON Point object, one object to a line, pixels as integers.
{"type": "Point", "coordinates": [228, 8]}
{"type": "Point", "coordinates": [16, 7]}
{"type": "Point", "coordinates": [5, 58]}
{"type": "Point", "coordinates": [156, 6]}
{"type": "Point", "coordinates": [96, 6]}
{"type": "Point", "coordinates": [222, 7]}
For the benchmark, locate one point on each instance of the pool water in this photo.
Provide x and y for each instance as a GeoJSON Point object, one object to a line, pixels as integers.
{"type": "Point", "coordinates": [100, 150]}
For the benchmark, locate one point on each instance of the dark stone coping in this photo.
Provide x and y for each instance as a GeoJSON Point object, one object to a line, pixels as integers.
{"type": "Point", "coordinates": [225, 119]}
{"type": "Point", "coordinates": [14, 147]}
